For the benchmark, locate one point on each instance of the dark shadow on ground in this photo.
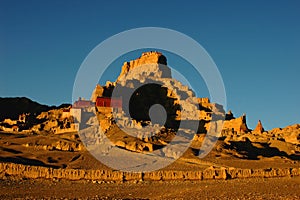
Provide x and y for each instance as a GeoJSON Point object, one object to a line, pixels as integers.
{"type": "Point", "coordinates": [26, 161]}
{"type": "Point", "coordinates": [252, 152]}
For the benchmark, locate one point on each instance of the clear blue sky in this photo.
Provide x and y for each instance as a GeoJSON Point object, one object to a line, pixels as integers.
{"type": "Point", "coordinates": [255, 44]}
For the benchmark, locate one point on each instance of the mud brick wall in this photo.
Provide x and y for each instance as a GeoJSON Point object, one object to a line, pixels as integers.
{"type": "Point", "coordinates": [25, 171]}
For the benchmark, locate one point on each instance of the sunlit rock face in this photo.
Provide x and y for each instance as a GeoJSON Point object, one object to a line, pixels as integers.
{"type": "Point", "coordinates": [236, 124]}
{"type": "Point", "coordinates": [259, 128]}
{"type": "Point", "coordinates": [147, 81]}
{"type": "Point", "coordinates": [151, 64]}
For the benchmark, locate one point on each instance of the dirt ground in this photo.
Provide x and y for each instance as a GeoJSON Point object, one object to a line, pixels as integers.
{"type": "Point", "coordinates": [272, 188]}
{"type": "Point", "coordinates": [14, 148]}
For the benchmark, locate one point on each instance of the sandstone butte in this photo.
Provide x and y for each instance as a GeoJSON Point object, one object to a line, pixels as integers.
{"type": "Point", "coordinates": [153, 65]}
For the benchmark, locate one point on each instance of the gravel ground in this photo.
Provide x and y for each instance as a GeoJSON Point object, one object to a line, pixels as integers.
{"type": "Point", "coordinates": [273, 188]}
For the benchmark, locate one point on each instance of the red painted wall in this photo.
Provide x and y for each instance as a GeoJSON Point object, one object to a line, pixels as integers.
{"type": "Point", "coordinates": [108, 102]}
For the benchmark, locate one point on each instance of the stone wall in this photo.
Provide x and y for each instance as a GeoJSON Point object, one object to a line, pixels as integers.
{"type": "Point", "coordinates": [24, 171]}
{"type": "Point", "coordinates": [238, 125]}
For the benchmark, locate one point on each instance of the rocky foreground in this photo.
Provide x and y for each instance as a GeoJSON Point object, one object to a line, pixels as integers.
{"type": "Point", "coordinates": [275, 188]}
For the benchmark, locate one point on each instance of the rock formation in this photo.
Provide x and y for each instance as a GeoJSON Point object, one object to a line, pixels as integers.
{"type": "Point", "coordinates": [229, 115]}
{"type": "Point", "coordinates": [290, 134]}
{"type": "Point", "coordinates": [150, 72]}
{"type": "Point", "coordinates": [259, 128]}
{"type": "Point", "coordinates": [238, 125]}
{"type": "Point", "coordinates": [55, 121]}
{"type": "Point", "coordinates": [98, 92]}
{"type": "Point", "coordinates": [147, 81]}
{"type": "Point", "coordinates": [146, 59]}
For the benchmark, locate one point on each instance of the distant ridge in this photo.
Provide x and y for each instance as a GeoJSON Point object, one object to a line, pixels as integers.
{"type": "Point", "coordinates": [12, 107]}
